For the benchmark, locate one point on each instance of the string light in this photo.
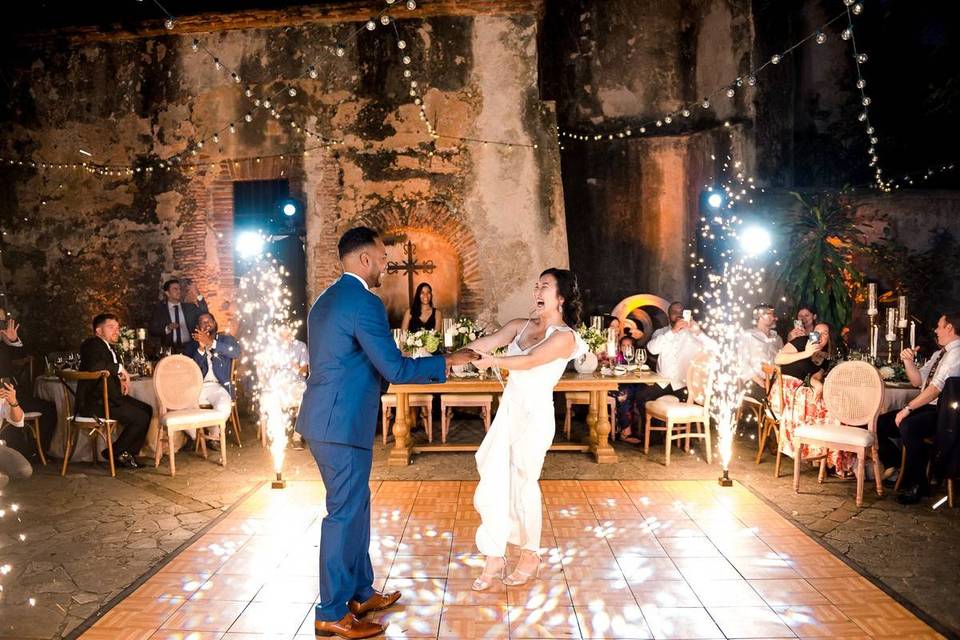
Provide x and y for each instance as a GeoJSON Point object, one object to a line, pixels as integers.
{"type": "Point", "coordinates": [728, 89]}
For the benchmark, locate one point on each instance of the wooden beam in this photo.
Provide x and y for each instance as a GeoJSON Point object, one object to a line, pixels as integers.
{"type": "Point", "coordinates": [322, 14]}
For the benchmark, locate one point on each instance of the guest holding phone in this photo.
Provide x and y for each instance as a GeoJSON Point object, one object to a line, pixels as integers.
{"type": "Point", "coordinates": [805, 356]}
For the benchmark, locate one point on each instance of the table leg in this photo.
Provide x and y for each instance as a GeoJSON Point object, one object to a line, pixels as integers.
{"type": "Point", "coordinates": [592, 419]}
{"type": "Point", "coordinates": [400, 453]}
{"type": "Point", "coordinates": [600, 434]}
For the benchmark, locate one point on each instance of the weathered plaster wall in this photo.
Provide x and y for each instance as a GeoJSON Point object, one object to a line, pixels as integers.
{"type": "Point", "coordinates": [78, 243]}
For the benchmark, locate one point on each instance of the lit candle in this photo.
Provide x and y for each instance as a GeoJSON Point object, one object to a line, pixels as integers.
{"type": "Point", "coordinates": [902, 311]}
{"type": "Point", "coordinates": [913, 334]}
{"type": "Point", "coordinates": [611, 348]}
{"type": "Point", "coordinates": [141, 334]}
{"type": "Point", "coordinates": [874, 335]}
{"type": "Point", "coordinates": [448, 338]}
{"type": "Point", "coordinates": [891, 324]}
{"type": "Point", "coordinates": [872, 299]}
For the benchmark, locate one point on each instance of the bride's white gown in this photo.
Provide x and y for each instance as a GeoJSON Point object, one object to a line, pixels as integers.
{"type": "Point", "coordinates": [511, 455]}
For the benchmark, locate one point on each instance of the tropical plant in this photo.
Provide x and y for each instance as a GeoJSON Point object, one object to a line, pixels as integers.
{"type": "Point", "coordinates": [824, 238]}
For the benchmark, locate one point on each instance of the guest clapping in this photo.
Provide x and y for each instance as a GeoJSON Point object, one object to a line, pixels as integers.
{"type": "Point", "coordinates": [214, 353]}
{"type": "Point", "coordinates": [422, 314]}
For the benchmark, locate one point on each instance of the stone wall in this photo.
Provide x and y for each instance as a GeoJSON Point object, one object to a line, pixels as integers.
{"type": "Point", "coordinates": [76, 242]}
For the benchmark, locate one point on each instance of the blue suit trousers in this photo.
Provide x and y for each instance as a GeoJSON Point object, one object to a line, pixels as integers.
{"type": "Point", "coordinates": [345, 569]}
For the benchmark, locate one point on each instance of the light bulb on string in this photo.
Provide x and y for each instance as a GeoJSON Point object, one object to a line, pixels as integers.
{"type": "Point", "coordinates": [291, 92]}
{"type": "Point", "coordinates": [384, 19]}
{"type": "Point", "coordinates": [752, 80]}
{"type": "Point", "coordinates": [731, 92]}
{"type": "Point", "coordinates": [861, 58]}
{"type": "Point", "coordinates": [407, 60]}
{"type": "Point", "coordinates": [411, 4]}
{"type": "Point", "coordinates": [168, 24]}
{"type": "Point", "coordinates": [706, 103]}
{"type": "Point", "coordinates": [861, 83]}
{"type": "Point", "coordinates": [371, 25]}
{"type": "Point", "coordinates": [312, 72]}
{"type": "Point", "coordinates": [340, 51]}
{"type": "Point", "coordinates": [775, 59]}
{"type": "Point", "coordinates": [857, 9]}
{"type": "Point", "coordinates": [248, 117]}
{"type": "Point", "coordinates": [821, 37]}
{"type": "Point", "coordinates": [401, 44]}
{"type": "Point", "coordinates": [195, 45]}
{"type": "Point", "coordinates": [235, 77]}
{"type": "Point", "coordinates": [847, 33]}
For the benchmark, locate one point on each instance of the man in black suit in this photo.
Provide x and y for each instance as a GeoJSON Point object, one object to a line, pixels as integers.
{"type": "Point", "coordinates": [175, 318]}
{"type": "Point", "coordinates": [97, 354]}
{"type": "Point", "coordinates": [11, 348]}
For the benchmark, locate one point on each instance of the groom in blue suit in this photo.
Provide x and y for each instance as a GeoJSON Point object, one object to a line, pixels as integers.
{"type": "Point", "coordinates": [351, 352]}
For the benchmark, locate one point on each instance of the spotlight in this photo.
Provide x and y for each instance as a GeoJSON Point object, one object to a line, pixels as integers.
{"type": "Point", "coordinates": [289, 209]}
{"type": "Point", "coordinates": [250, 244]}
{"type": "Point", "coordinates": [755, 240]}
{"type": "Point", "coordinates": [715, 200]}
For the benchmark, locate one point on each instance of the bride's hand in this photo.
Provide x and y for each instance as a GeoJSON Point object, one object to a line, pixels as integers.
{"type": "Point", "coordinates": [486, 361]}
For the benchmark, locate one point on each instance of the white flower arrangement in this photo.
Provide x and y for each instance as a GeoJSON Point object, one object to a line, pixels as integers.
{"type": "Point", "coordinates": [596, 340]}
{"type": "Point", "coordinates": [422, 339]}
{"type": "Point", "coordinates": [465, 331]}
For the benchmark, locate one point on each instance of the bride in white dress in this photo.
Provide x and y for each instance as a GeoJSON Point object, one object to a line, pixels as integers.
{"type": "Point", "coordinates": [511, 456]}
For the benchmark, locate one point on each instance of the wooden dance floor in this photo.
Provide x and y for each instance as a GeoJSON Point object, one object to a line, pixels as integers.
{"type": "Point", "coordinates": [681, 559]}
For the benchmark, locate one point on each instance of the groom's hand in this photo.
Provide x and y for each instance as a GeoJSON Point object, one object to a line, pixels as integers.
{"type": "Point", "coordinates": [460, 357]}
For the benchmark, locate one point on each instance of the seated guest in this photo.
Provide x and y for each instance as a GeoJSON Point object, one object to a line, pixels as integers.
{"type": "Point", "coordinates": [422, 314]}
{"type": "Point", "coordinates": [299, 358]}
{"type": "Point", "coordinates": [11, 348]}
{"type": "Point", "coordinates": [12, 462]}
{"type": "Point", "coordinates": [804, 323]}
{"type": "Point", "coordinates": [758, 345]}
{"type": "Point", "coordinates": [174, 319]}
{"type": "Point", "coordinates": [214, 353]}
{"type": "Point", "coordinates": [918, 419]}
{"type": "Point", "coordinates": [625, 394]}
{"type": "Point", "coordinates": [803, 358]}
{"type": "Point", "coordinates": [97, 354]}
{"type": "Point", "coordinates": [675, 347]}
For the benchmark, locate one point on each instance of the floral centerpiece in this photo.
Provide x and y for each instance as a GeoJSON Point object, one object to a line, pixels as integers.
{"type": "Point", "coordinates": [465, 331]}
{"type": "Point", "coordinates": [596, 340]}
{"type": "Point", "coordinates": [422, 342]}
{"type": "Point", "coordinates": [127, 343]}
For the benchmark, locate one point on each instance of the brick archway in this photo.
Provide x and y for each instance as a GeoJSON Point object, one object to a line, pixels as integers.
{"type": "Point", "coordinates": [439, 217]}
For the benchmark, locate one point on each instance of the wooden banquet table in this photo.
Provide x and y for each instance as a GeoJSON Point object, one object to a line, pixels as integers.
{"type": "Point", "coordinates": [598, 419]}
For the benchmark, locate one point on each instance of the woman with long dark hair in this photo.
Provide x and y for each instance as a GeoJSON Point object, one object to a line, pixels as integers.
{"type": "Point", "coordinates": [511, 456]}
{"type": "Point", "coordinates": [422, 314]}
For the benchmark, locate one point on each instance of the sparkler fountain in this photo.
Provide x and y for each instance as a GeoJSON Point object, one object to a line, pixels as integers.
{"type": "Point", "coordinates": [267, 322]}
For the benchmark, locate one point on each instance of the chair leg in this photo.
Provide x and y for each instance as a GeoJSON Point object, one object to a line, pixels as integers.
{"type": "Point", "coordinates": [444, 418]}
{"type": "Point", "coordinates": [669, 440]}
{"type": "Point", "coordinates": [903, 465]}
{"type": "Point", "coordinates": [567, 420]}
{"type": "Point", "coordinates": [950, 492]}
{"type": "Point", "coordinates": [763, 432]}
{"type": "Point", "coordinates": [171, 452]}
{"type": "Point", "coordinates": [877, 470]}
{"type": "Point", "coordinates": [385, 423]}
{"type": "Point", "coordinates": [487, 410]}
{"type": "Point", "coordinates": [235, 419]}
{"type": "Point", "coordinates": [861, 469]}
{"type": "Point", "coordinates": [776, 468]}
{"type": "Point", "coordinates": [158, 447]}
{"type": "Point", "coordinates": [67, 450]}
{"type": "Point", "coordinates": [823, 470]}
{"type": "Point", "coordinates": [109, 430]}
{"type": "Point", "coordinates": [797, 458]}
{"type": "Point", "coordinates": [646, 435]}
{"type": "Point", "coordinates": [429, 424]}
{"type": "Point", "coordinates": [223, 444]}
{"type": "Point", "coordinates": [706, 437]}
{"type": "Point", "coordinates": [36, 437]}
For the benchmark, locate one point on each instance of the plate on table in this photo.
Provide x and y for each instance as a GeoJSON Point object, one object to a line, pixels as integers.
{"type": "Point", "coordinates": [645, 368]}
{"type": "Point", "coordinates": [465, 374]}
{"type": "Point", "coordinates": [898, 385]}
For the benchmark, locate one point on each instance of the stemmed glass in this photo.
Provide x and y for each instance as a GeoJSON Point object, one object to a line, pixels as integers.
{"type": "Point", "coordinates": [641, 357]}
{"type": "Point", "coordinates": [58, 361]}
{"type": "Point", "coordinates": [629, 354]}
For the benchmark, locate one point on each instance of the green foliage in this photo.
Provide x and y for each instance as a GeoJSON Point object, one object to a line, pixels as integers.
{"type": "Point", "coordinates": [823, 238]}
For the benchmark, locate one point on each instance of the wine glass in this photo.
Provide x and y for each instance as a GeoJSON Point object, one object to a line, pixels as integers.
{"type": "Point", "coordinates": [641, 357]}
{"type": "Point", "coordinates": [629, 354]}
{"type": "Point", "coordinates": [58, 361]}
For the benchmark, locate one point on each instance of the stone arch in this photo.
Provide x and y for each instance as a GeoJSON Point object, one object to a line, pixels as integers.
{"type": "Point", "coordinates": [440, 217]}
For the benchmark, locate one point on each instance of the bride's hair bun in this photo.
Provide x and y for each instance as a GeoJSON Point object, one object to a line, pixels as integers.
{"type": "Point", "coordinates": [569, 290]}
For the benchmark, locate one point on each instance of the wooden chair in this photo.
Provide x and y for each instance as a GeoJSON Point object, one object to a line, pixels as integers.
{"type": "Point", "coordinates": [177, 382]}
{"type": "Point", "coordinates": [417, 401]}
{"type": "Point", "coordinates": [234, 416]}
{"type": "Point", "coordinates": [583, 398]}
{"type": "Point", "coordinates": [99, 427]}
{"type": "Point", "coordinates": [680, 418]}
{"type": "Point", "coordinates": [450, 400]}
{"type": "Point", "coordinates": [24, 364]}
{"type": "Point", "coordinates": [767, 422]}
{"type": "Point", "coordinates": [853, 395]}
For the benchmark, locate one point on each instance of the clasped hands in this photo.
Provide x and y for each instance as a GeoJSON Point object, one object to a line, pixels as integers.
{"type": "Point", "coordinates": [477, 358]}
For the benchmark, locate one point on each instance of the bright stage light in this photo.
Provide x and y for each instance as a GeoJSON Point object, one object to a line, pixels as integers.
{"type": "Point", "coordinates": [250, 244]}
{"type": "Point", "coordinates": [289, 209]}
{"type": "Point", "coordinates": [755, 240]}
{"type": "Point", "coordinates": [715, 200]}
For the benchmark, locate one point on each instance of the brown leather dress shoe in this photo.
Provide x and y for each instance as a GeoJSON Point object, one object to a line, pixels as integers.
{"type": "Point", "coordinates": [376, 602]}
{"type": "Point", "coordinates": [347, 627]}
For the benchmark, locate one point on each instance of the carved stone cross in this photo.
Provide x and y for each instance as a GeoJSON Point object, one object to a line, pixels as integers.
{"type": "Point", "coordinates": [410, 266]}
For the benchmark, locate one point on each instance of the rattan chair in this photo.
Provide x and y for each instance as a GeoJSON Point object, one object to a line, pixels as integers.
{"type": "Point", "coordinates": [853, 394]}
{"type": "Point", "coordinates": [681, 418]}
{"type": "Point", "coordinates": [177, 382]}
{"type": "Point", "coordinates": [99, 427]}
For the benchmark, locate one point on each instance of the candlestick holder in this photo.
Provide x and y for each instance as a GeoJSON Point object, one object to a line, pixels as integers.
{"type": "Point", "coordinates": [889, 351]}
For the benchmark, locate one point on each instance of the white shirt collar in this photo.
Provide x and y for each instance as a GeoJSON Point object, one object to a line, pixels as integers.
{"type": "Point", "coordinates": [954, 344]}
{"type": "Point", "coordinates": [362, 281]}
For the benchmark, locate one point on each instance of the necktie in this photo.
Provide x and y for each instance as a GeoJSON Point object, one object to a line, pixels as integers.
{"type": "Point", "coordinates": [933, 369]}
{"type": "Point", "coordinates": [176, 318]}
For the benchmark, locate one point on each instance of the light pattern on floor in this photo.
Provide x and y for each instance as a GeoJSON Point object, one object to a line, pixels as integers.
{"type": "Point", "coordinates": [644, 559]}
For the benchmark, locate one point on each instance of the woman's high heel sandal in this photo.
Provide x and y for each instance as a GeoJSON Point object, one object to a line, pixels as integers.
{"type": "Point", "coordinates": [519, 576]}
{"type": "Point", "coordinates": [485, 581]}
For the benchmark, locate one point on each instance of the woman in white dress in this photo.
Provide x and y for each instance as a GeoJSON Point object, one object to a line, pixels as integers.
{"type": "Point", "coordinates": [511, 456]}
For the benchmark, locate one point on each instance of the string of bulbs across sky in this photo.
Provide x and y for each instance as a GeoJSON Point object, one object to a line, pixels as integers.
{"type": "Point", "coordinates": [272, 103]}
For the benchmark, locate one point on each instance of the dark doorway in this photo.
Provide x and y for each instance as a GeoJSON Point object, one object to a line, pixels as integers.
{"type": "Point", "coordinates": [264, 208]}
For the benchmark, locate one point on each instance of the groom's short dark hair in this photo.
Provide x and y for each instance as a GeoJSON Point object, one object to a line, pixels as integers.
{"type": "Point", "coordinates": [354, 239]}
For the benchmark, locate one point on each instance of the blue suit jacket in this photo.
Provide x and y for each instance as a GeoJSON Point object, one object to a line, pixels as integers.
{"type": "Point", "coordinates": [351, 353]}
{"type": "Point", "coordinates": [225, 351]}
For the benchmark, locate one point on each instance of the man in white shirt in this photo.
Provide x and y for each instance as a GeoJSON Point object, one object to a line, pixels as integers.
{"type": "Point", "coordinates": [675, 347]}
{"type": "Point", "coordinates": [918, 419]}
{"type": "Point", "coordinates": [758, 345]}
{"type": "Point", "coordinates": [214, 353]}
